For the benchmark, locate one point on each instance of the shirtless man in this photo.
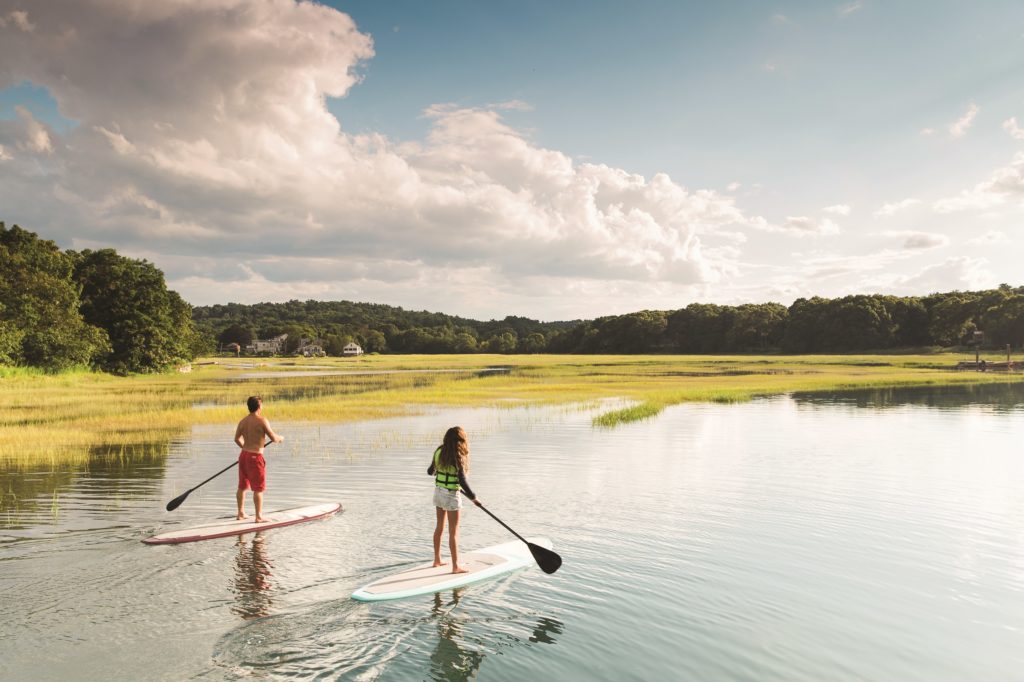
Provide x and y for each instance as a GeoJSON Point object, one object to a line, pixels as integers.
{"type": "Point", "coordinates": [250, 435]}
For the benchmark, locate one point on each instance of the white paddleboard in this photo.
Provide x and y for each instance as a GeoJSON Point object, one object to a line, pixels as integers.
{"type": "Point", "coordinates": [485, 563]}
{"type": "Point", "coordinates": [223, 529]}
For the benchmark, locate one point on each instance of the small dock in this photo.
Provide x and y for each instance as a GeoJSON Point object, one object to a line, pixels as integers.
{"type": "Point", "coordinates": [985, 366]}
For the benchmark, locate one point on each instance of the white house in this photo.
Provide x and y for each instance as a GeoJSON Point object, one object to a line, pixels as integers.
{"type": "Point", "coordinates": [274, 346]}
{"type": "Point", "coordinates": [351, 349]}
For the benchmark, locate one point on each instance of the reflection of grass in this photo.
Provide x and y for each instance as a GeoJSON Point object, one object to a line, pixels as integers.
{"type": "Point", "coordinates": [66, 418]}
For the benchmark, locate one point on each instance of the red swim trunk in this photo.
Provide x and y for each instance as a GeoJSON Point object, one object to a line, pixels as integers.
{"type": "Point", "coordinates": [252, 471]}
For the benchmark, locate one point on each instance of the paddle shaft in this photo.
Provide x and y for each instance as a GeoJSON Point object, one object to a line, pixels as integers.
{"type": "Point", "coordinates": [499, 520]}
{"type": "Point", "coordinates": [176, 502]}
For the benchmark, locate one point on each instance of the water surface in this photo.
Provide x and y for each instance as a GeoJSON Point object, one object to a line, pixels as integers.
{"type": "Point", "coordinates": [867, 536]}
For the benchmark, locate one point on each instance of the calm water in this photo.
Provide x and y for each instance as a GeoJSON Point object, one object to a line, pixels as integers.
{"type": "Point", "coordinates": [874, 536]}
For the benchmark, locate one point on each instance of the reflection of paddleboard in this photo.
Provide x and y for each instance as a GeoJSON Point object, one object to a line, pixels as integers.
{"type": "Point", "coordinates": [223, 529]}
{"type": "Point", "coordinates": [482, 564]}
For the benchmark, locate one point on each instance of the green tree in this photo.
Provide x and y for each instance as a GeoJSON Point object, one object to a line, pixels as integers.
{"type": "Point", "coordinates": [236, 333]}
{"type": "Point", "coordinates": [40, 322]}
{"type": "Point", "coordinates": [150, 328]}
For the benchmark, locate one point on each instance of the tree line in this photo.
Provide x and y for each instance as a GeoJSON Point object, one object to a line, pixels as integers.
{"type": "Point", "coordinates": [97, 309]}
{"type": "Point", "coordinates": [809, 325]}
{"type": "Point", "coordinates": [62, 309]}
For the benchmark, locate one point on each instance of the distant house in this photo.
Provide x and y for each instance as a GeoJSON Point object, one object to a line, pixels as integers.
{"type": "Point", "coordinates": [274, 346]}
{"type": "Point", "coordinates": [351, 349]}
{"type": "Point", "coordinates": [311, 348]}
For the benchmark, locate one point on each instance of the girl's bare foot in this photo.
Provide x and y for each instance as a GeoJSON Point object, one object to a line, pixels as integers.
{"type": "Point", "coordinates": [438, 562]}
{"type": "Point", "coordinates": [241, 517]}
{"type": "Point", "coordinates": [260, 520]}
{"type": "Point", "coordinates": [456, 569]}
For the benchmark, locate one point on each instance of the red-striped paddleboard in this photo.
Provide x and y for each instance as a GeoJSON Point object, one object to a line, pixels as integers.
{"type": "Point", "coordinates": [223, 529]}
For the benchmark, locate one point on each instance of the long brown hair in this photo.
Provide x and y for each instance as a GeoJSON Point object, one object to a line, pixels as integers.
{"type": "Point", "coordinates": [455, 449]}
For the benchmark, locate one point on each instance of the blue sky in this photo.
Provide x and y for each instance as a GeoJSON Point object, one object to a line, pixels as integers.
{"type": "Point", "coordinates": [586, 158]}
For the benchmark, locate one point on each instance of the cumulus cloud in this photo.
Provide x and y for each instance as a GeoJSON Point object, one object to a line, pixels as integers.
{"type": "Point", "coordinates": [895, 207]}
{"type": "Point", "coordinates": [199, 145]}
{"type": "Point", "coordinates": [1011, 127]}
{"type": "Point", "coordinates": [838, 209]}
{"type": "Point", "coordinates": [1005, 184]}
{"type": "Point", "coordinates": [960, 126]}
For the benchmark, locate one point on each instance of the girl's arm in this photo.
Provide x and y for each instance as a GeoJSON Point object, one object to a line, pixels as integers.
{"type": "Point", "coordinates": [464, 484]}
{"type": "Point", "coordinates": [430, 469]}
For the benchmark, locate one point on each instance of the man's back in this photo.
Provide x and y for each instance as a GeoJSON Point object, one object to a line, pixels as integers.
{"type": "Point", "coordinates": [253, 432]}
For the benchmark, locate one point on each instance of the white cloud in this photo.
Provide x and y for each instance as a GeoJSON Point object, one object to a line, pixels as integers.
{"type": "Point", "coordinates": [927, 132]}
{"type": "Point", "coordinates": [796, 225]}
{"type": "Point", "coordinates": [990, 238]}
{"type": "Point", "coordinates": [895, 207]}
{"type": "Point", "coordinates": [780, 19]}
{"type": "Point", "coordinates": [960, 272]}
{"type": "Point", "coordinates": [960, 126]}
{"type": "Point", "coordinates": [1015, 131]}
{"type": "Point", "coordinates": [849, 8]}
{"type": "Point", "coordinates": [918, 241]}
{"type": "Point", "coordinates": [1006, 183]}
{"type": "Point", "coordinates": [838, 209]}
{"type": "Point", "coordinates": [226, 147]}
{"type": "Point", "coordinates": [733, 186]}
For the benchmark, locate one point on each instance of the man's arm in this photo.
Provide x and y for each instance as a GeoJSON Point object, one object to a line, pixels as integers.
{"type": "Point", "coordinates": [239, 441]}
{"type": "Point", "coordinates": [270, 432]}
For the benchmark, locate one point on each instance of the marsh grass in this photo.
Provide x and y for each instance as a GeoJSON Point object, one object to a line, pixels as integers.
{"type": "Point", "coordinates": [70, 419]}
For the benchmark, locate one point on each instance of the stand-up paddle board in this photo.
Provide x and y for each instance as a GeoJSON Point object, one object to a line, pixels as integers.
{"type": "Point", "coordinates": [484, 563]}
{"type": "Point", "coordinates": [223, 529]}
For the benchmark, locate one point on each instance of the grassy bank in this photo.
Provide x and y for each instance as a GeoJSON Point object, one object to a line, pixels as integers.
{"type": "Point", "coordinates": [68, 418]}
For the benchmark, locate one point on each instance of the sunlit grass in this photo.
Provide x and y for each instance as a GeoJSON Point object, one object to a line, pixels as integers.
{"type": "Point", "coordinates": [66, 419]}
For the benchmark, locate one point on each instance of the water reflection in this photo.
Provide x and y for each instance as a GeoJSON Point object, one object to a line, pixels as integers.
{"type": "Point", "coordinates": [450, 660]}
{"type": "Point", "coordinates": [544, 629]}
{"type": "Point", "coordinates": [453, 661]}
{"type": "Point", "coordinates": [252, 585]}
{"type": "Point", "coordinates": [995, 397]}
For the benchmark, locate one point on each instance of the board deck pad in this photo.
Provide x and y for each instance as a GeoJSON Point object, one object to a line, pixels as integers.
{"type": "Point", "coordinates": [489, 562]}
{"type": "Point", "coordinates": [229, 527]}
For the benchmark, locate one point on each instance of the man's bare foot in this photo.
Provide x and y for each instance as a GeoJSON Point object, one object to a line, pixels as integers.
{"type": "Point", "coordinates": [241, 517]}
{"type": "Point", "coordinates": [460, 570]}
{"type": "Point", "coordinates": [438, 562]}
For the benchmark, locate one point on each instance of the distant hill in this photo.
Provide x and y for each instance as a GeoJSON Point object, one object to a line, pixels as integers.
{"type": "Point", "coordinates": [374, 326]}
{"type": "Point", "coordinates": [993, 318]}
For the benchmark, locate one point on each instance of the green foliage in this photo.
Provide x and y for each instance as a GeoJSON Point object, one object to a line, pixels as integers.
{"type": "Point", "coordinates": [40, 324]}
{"type": "Point", "coordinates": [150, 328]}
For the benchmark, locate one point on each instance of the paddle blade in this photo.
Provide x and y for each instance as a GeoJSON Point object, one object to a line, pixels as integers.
{"type": "Point", "coordinates": [548, 561]}
{"type": "Point", "coordinates": [176, 502]}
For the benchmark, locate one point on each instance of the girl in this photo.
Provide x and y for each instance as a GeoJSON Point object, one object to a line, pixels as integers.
{"type": "Point", "coordinates": [449, 467]}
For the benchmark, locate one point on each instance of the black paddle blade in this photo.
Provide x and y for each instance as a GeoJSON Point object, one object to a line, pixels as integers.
{"type": "Point", "coordinates": [176, 502]}
{"type": "Point", "coordinates": [548, 561]}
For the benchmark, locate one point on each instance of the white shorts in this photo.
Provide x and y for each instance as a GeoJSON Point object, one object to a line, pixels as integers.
{"type": "Point", "coordinates": [449, 500]}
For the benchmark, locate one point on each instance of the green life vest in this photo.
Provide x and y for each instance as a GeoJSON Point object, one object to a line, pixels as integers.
{"type": "Point", "coordinates": [445, 477]}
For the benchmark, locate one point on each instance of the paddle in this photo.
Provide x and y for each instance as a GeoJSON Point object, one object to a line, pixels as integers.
{"type": "Point", "coordinates": [176, 502]}
{"type": "Point", "coordinates": [548, 561]}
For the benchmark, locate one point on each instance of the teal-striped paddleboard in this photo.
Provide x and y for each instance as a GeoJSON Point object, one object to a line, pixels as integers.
{"type": "Point", "coordinates": [489, 562]}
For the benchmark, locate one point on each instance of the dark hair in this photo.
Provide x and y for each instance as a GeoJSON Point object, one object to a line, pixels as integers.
{"type": "Point", "coordinates": [254, 402]}
{"type": "Point", "coordinates": [455, 449]}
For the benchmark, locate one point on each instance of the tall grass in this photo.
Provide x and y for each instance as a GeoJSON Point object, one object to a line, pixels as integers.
{"type": "Point", "coordinates": [66, 419]}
